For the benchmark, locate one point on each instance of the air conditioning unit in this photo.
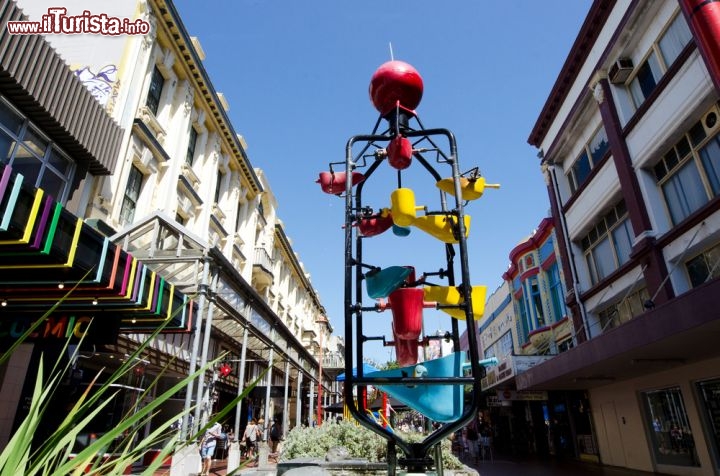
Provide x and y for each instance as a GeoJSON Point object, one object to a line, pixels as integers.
{"type": "Point", "coordinates": [620, 71]}
{"type": "Point", "coordinates": [711, 120]}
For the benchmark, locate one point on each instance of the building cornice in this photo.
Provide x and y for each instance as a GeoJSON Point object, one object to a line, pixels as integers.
{"type": "Point", "coordinates": [169, 20]}
{"type": "Point", "coordinates": [284, 242]}
{"type": "Point", "coordinates": [584, 42]}
{"type": "Point", "coordinates": [532, 243]}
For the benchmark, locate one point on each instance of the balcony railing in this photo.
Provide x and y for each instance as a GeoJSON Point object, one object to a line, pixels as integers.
{"type": "Point", "coordinates": [333, 361]}
{"type": "Point", "coordinates": [262, 258]}
{"type": "Point", "coordinates": [262, 267]}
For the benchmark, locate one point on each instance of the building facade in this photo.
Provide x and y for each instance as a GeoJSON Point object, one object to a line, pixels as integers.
{"type": "Point", "coordinates": [629, 144]}
{"type": "Point", "coordinates": [177, 193]}
{"type": "Point", "coordinates": [525, 324]}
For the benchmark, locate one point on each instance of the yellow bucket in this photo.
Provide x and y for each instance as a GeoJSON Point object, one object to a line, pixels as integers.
{"type": "Point", "coordinates": [403, 208]}
{"type": "Point", "coordinates": [449, 295]}
{"type": "Point", "coordinates": [440, 226]}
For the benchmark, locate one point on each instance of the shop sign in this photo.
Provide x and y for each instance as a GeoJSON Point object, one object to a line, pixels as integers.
{"type": "Point", "coordinates": [489, 380]}
{"type": "Point", "coordinates": [526, 395]}
{"type": "Point", "coordinates": [57, 328]}
{"type": "Point", "coordinates": [492, 401]}
{"type": "Point", "coordinates": [498, 374]}
{"type": "Point", "coordinates": [526, 362]}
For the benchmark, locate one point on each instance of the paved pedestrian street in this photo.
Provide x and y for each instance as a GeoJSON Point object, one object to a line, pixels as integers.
{"type": "Point", "coordinates": [503, 466]}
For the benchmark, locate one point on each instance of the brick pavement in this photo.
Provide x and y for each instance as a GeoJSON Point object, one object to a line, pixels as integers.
{"type": "Point", "coordinates": [219, 468]}
{"type": "Point", "coordinates": [501, 466]}
{"type": "Point", "coordinates": [508, 466]}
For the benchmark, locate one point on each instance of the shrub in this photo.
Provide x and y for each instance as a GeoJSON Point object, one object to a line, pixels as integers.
{"type": "Point", "coordinates": [360, 442]}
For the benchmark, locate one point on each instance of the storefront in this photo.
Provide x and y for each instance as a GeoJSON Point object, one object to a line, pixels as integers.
{"type": "Point", "coordinates": [64, 286]}
{"type": "Point", "coordinates": [673, 431]}
{"type": "Point", "coordinates": [528, 422]}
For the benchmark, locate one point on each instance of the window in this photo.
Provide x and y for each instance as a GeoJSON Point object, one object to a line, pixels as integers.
{"type": "Point", "coordinates": [501, 348]}
{"type": "Point", "coordinates": [218, 186]}
{"type": "Point", "coordinates": [645, 80]}
{"type": "Point", "coordinates": [565, 345]}
{"type": "Point", "coordinates": [674, 40]}
{"type": "Point", "coordinates": [505, 344]}
{"type": "Point", "coordinates": [709, 391]}
{"type": "Point", "coordinates": [536, 303]}
{"type": "Point", "coordinates": [608, 244]}
{"type": "Point", "coordinates": [11, 120]}
{"type": "Point", "coordinates": [522, 323]}
{"type": "Point", "coordinates": [239, 214]}
{"type": "Point", "coordinates": [688, 173]}
{"type": "Point", "coordinates": [667, 423]}
{"type": "Point", "coordinates": [661, 56]}
{"type": "Point", "coordinates": [710, 157]}
{"type": "Point", "coordinates": [192, 141]}
{"type": "Point", "coordinates": [631, 306]}
{"type": "Point", "coordinates": [156, 86]}
{"type": "Point", "coordinates": [556, 293]}
{"type": "Point", "coordinates": [704, 267]}
{"type": "Point", "coordinates": [132, 194]}
{"type": "Point", "coordinates": [593, 152]}
{"type": "Point", "coordinates": [31, 154]}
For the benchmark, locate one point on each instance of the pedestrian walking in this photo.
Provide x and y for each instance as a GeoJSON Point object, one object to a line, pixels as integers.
{"type": "Point", "coordinates": [208, 445]}
{"type": "Point", "coordinates": [275, 436]}
{"type": "Point", "coordinates": [251, 437]}
{"type": "Point", "coordinates": [471, 434]}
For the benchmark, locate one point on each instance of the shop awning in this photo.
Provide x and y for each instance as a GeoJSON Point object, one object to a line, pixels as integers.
{"type": "Point", "coordinates": [47, 255]}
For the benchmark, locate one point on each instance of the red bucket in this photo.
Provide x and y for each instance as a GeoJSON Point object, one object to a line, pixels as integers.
{"type": "Point", "coordinates": [407, 351]}
{"type": "Point", "coordinates": [407, 308]}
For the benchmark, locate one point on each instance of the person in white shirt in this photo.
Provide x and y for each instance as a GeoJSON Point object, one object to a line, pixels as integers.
{"type": "Point", "coordinates": [251, 436]}
{"type": "Point", "coordinates": [207, 447]}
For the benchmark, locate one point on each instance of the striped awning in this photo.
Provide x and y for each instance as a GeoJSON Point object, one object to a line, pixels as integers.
{"type": "Point", "coordinates": [47, 255]}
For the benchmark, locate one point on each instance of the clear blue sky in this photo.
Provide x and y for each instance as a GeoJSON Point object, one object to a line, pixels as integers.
{"type": "Point", "coordinates": [296, 76]}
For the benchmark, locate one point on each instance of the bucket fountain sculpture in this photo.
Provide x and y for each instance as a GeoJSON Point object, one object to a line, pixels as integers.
{"type": "Point", "coordinates": [435, 388]}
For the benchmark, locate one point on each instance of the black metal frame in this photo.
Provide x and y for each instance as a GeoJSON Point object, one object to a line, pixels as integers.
{"type": "Point", "coordinates": [417, 455]}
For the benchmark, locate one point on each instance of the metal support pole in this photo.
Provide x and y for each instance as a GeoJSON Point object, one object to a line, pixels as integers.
{"type": "Point", "coordinates": [298, 399]}
{"type": "Point", "coordinates": [325, 404]}
{"type": "Point", "coordinates": [241, 381]}
{"type": "Point", "coordinates": [199, 418]}
{"type": "Point", "coordinates": [311, 408]}
{"type": "Point", "coordinates": [320, 383]}
{"type": "Point", "coordinates": [186, 431]}
{"type": "Point", "coordinates": [268, 417]}
{"type": "Point", "coordinates": [286, 417]}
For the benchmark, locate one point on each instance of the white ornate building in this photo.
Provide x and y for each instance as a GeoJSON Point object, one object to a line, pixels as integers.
{"type": "Point", "coordinates": [182, 198]}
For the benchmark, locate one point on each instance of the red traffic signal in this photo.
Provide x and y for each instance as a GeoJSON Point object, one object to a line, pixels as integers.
{"type": "Point", "coordinates": [225, 369]}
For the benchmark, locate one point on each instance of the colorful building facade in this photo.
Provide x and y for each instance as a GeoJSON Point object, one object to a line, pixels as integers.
{"type": "Point", "coordinates": [628, 141]}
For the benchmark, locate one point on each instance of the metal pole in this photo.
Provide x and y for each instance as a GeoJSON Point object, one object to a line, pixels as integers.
{"type": "Point", "coordinates": [325, 404]}
{"type": "Point", "coordinates": [311, 408]}
{"type": "Point", "coordinates": [298, 399]}
{"type": "Point", "coordinates": [320, 383]}
{"type": "Point", "coordinates": [203, 358]}
{"type": "Point", "coordinates": [268, 417]}
{"type": "Point", "coordinates": [202, 301]}
{"type": "Point", "coordinates": [241, 381]}
{"type": "Point", "coordinates": [286, 418]}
